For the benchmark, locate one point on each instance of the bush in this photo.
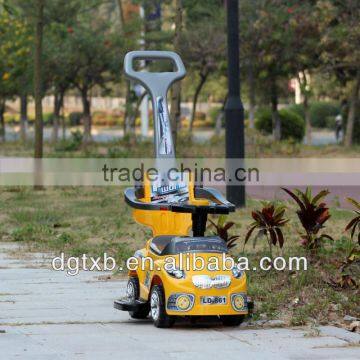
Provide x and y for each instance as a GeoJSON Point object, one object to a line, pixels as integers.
{"type": "Point", "coordinates": [75, 118]}
{"type": "Point", "coordinates": [214, 113]}
{"type": "Point", "coordinates": [48, 118]}
{"type": "Point", "coordinates": [71, 144]}
{"type": "Point", "coordinates": [320, 113]}
{"type": "Point", "coordinates": [298, 109]}
{"type": "Point", "coordinates": [102, 118]}
{"type": "Point", "coordinates": [199, 115]}
{"type": "Point", "coordinates": [203, 123]}
{"type": "Point", "coordinates": [292, 125]}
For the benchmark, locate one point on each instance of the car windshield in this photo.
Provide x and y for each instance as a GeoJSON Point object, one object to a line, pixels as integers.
{"type": "Point", "coordinates": [214, 245]}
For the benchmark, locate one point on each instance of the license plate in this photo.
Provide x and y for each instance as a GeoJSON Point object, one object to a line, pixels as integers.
{"type": "Point", "coordinates": [213, 300]}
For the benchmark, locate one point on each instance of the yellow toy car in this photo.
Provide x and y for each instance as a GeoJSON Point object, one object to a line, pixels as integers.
{"type": "Point", "coordinates": [170, 292]}
{"type": "Point", "coordinates": [168, 283]}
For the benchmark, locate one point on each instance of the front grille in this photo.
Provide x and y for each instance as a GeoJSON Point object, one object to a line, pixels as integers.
{"type": "Point", "coordinates": [207, 282]}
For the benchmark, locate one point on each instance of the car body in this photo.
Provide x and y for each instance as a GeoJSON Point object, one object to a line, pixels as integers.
{"type": "Point", "coordinates": [191, 275]}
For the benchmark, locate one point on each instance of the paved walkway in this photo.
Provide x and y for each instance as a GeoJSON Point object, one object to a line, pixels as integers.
{"type": "Point", "coordinates": [46, 314]}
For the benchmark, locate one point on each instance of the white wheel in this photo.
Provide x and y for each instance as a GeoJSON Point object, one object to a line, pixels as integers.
{"type": "Point", "coordinates": [130, 291]}
{"type": "Point", "coordinates": [157, 308]}
{"type": "Point", "coordinates": [155, 305]}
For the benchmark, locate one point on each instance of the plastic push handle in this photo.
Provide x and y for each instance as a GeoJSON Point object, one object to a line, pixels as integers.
{"type": "Point", "coordinates": [157, 85]}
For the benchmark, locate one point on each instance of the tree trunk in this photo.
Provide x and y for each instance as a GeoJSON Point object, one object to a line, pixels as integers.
{"type": "Point", "coordinates": [203, 78]}
{"type": "Point", "coordinates": [86, 115]}
{"type": "Point", "coordinates": [175, 115]}
{"type": "Point", "coordinates": [304, 87]}
{"type": "Point", "coordinates": [2, 120]}
{"type": "Point", "coordinates": [352, 111]}
{"type": "Point", "coordinates": [121, 16]}
{"type": "Point", "coordinates": [38, 79]}
{"type": "Point", "coordinates": [307, 118]}
{"type": "Point", "coordinates": [274, 111]}
{"type": "Point", "coordinates": [128, 106]}
{"type": "Point", "coordinates": [219, 118]}
{"type": "Point", "coordinates": [63, 122]}
{"type": "Point", "coordinates": [23, 116]}
{"type": "Point", "coordinates": [58, 99]}
{"type": "Point", "coordinates": [251, 83]}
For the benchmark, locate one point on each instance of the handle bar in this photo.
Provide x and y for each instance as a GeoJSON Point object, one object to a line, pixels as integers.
{"type": "Point", "coordinates": [157, 84]}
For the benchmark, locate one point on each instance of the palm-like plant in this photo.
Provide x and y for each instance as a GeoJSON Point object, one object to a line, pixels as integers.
{"type": "Point", "coordinates": [222, 230]}
{"type": "Point", "coordinates": [312, 214]}
{"type": "Point", "coordinates": [354, 224]}
{"type": "Point", "coordinates": [268, 222]}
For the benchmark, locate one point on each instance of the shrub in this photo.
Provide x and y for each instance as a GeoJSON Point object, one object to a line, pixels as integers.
{"type": "Point", "coordinates": [298, 109]}
{"type": "Point", "coordinates": [71, 144]}
{"type": "Point", "coordinates": [292, 125]}
{"type": "Point", "coordinates": [268, 222]}
{"type": "Point", "coordinates": [102, 118]}
{"type": "Point", "coordinates": [222, 230]}
{"type": "Point", "coordinates": [199, 115]}
{"type": "Point", "coordinates": [312, 215]}
{"type": "Point", "coordinates": [354, 225]}
{"type": "Point", "coordinates": [48, 118]}
{"type": "Point", "coordinates": [322, 114]}
{"type": "Point", "coordinates": [214, 113]}
{"type": "Point", "coordinates": [203, 123]}
{"type": "Point", "coordinates": [321, 111]}
{"type": "Point", "coordinates": [75, 118]}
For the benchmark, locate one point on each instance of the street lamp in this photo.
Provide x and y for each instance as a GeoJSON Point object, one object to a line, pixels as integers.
{"type": "Point", "coordinates": [234, 110]}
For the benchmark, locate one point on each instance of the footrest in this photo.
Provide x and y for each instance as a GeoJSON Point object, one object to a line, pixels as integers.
{"type": "Point", "coordinates": [126, 305]}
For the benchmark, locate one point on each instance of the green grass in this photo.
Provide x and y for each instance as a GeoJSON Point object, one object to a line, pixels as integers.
{"type": "Point", "coordinates": [257, 146]}
{"type": "Point", "coordinates": [94, 220]}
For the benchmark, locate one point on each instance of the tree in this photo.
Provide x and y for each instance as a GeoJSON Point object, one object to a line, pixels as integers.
{"type": "Point", "coordinates": [98, 53]}
{"type": "Point", "coordinates": [249, 40]}
{"type": "Point", "coordinates": [175, 115]}
{"type": "Point", "coordinates": [60, 65]}
{"type": "Point", "coordinates": [202, 50]}
{"type": "Point", "coordinates": [202, 43]}
{"type": "Point", "coordinates": [38, 79]}
{"type": "Point", "coordinates": [340, 40]}
{"type": "Point", "coordinates": [266, 47]}
{"type": "Point", "coordinates": [14, 54]}
{"type": "Point", "coordinates": [304, 42]}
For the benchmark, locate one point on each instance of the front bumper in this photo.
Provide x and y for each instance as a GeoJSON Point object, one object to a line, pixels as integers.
{"type": "Point", "coordinates": [178, 288]}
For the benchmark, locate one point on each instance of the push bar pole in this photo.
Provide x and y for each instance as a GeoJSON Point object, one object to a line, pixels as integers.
{"type": "Point", "coordinates": [157, 85]}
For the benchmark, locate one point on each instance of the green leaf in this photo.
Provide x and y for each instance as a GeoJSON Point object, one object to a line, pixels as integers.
{"type": "Point", "coordinates": [319, 196]}
{"type": "Point", "coordinates": [354, 202]}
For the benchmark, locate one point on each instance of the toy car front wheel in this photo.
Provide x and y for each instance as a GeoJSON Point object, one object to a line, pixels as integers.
{"type": "Point", "coordinates": [232, 320]}
{"type": "Point", "coordinates": [133, 293]}
{"type": "Point", "coordinates": [157, 308]}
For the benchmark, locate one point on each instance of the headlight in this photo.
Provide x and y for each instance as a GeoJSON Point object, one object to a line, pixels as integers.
{"type": "Point", "coordinates": [239, 302]}
{"type": "Point", "coordinates": [180, 302]}
{"type": "Point", "coordinates": [183, 302]}
{"type": "Point", "coordinates": [237, 273]}
{"type": "Point", "coordinates": [176, 273]}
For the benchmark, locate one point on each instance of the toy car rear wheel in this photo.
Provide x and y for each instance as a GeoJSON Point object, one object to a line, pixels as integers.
{"type": "Point", "coordinates": [133, 293]}
{"type": "Point", "coordinates": [157, 308]}
{"type": "Point", "coordinates": [232, 320]}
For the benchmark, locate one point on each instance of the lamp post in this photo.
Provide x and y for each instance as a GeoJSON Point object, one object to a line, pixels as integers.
{"type": "Point", "coordinates": [234, 110]}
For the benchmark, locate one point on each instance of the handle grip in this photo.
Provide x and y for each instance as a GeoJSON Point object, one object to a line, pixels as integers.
{"type": "Point", "coordinates": [157, 84]}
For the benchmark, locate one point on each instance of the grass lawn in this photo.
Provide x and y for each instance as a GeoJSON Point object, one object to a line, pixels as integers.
{"type": "Point", "coordinates": [96, 220]}
{"type": "Point", "coordinates": [257, 146]}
